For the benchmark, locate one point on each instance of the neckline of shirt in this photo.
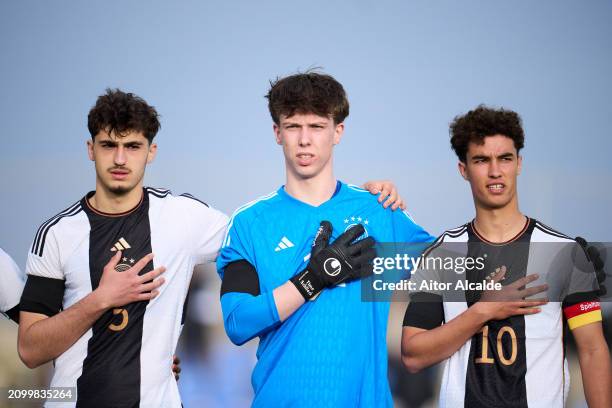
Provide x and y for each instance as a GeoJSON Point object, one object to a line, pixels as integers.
{"type": "Point", "coordinates": [283, 193]}
{"type": "Point", "coordinates": [111, 215]}
{"type": "Point", "coordinates": [511, 240]}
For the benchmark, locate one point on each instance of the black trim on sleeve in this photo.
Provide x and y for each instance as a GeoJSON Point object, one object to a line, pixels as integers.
{"type": "Point", "coordinates": [424, 311]}
{"type": "Point", "coordinates": [579, 297]}
{"type": "Point", "coordinates": [13, 314]}
{"type": "Point", "coordinates": [43, 295]}
{"type": "Point", "coordinates": [240, 276]}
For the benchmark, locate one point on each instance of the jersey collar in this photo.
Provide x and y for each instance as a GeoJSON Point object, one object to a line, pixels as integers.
{"type": "Point", "coordinates": [340, 188]}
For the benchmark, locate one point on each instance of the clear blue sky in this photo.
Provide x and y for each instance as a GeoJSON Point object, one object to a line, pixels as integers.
{"type": "Point", "coordinates": [408, 68]}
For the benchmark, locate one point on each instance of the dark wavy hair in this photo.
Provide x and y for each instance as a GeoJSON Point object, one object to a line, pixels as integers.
{"type": "Point", "coordinates": [484, 121]}
{"type": "Point", "coordinates": [308, 92]}
{"type": "Point", "coordinates": [122, 112]}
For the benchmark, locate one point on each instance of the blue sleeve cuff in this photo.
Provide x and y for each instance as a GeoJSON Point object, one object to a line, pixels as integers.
{"type": "Point", "coordinates": [246, 316]}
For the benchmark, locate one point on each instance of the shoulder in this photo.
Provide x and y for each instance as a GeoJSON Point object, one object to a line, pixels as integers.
{"type": "Point", "coordinates": [250, 211]}
{"type": "Point", "coordinates": [165, 194]}
{"type": "Point", "coordinates": [453, 234]}
{"type": "Point", "coordinates": [542, 232]}
{"type": "Point", "coordinates": [181, 204]}
{"type": "Point", "coordinates": [458, 234]}
{"type": "Point", "coordinates": [52, 225]}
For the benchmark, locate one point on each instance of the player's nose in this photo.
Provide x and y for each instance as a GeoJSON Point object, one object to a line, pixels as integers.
{"type": "Point", "coordinates": [494, 169]}
{"type": "Point", "coordinates": [304, 138]}
{"type": "Point", "coordinates": [120, 156]}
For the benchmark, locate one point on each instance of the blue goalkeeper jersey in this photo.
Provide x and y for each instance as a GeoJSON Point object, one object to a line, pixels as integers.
{"type": "Point", "coordinates": [332, 351]}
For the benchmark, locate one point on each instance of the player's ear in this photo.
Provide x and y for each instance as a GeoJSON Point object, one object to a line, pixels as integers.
{"type": "Point", "coordinates": [90, 152]}
{"type": "Point", "coordinates": [519, 165]}
{"type": "Point", "coordinates": [339, 131]}
{"type": "Point", "coordinates": [277, 134]}
{"type": "Point", "coordinates": [463, 170]}
{"type": "Point", "coordinates": [152, 152]}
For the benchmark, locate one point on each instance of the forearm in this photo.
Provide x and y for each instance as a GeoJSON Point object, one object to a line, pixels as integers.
{"type": "Point", "coordinates": [429, 347]}
{"type": "Point", "coordinates": [596, 376]}
{"type": "Point", "coordinates": [246, 316]}
{"type": "Point", "coordinates": [46, 339]}
{"type": "Point", "coordinates": [287, 300]}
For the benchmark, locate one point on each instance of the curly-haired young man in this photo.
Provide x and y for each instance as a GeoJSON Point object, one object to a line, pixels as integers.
{"type": "Point", "coordinates": [94, 300]}
{"type": "Point", "coordinates": [504, 348]}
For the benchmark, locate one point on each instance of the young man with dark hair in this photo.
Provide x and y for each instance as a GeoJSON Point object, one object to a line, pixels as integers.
{"type": "Point", "coordinates": [504, 348]}
{"type": "Point", "coordinates": [292, 261]}
{"type": "Point", "coordinates": [94, 301]}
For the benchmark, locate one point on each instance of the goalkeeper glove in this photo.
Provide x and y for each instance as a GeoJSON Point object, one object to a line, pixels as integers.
{"type": "Point", "coordinates": [339, 262]}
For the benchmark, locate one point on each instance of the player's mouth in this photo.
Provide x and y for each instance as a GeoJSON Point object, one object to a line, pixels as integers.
{"type": "Point", "coordinates": [305, 159]}
{"type": "Point", "coordinates": [119, 174]}
{"type": "Point", "coordinates": [496, 188]}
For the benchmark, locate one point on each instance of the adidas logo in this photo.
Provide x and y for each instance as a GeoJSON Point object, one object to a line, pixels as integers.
{"type": "Point", "coordinates": [283, 244]}
{"type": "Point", "coordinates": [120, 245]}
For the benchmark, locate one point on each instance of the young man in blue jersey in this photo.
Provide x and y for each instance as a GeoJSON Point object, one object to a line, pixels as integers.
{"type": "Point", "coordinates": [505, 348]}
{"type": "Point", "coordinates": [320, 344]}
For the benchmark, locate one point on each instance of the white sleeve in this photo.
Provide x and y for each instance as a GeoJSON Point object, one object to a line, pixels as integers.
{"type": "Point", "coordinates": [210, 226]}
{"type": "Point", "coordinates": [205, 227]}
{"type": "Point", "coordinates": [12, 281]}
{"type": "Point", "coordinates": [47, 264]}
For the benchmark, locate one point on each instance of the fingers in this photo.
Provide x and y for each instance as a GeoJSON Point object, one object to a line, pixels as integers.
{"type": "Point", "coordinates": [522, 282]}
{"type": "Point", "coordinates": [366, 257]}
{"type": "Point", "coordinates": [393, 196]}
{"type": "Point", "coordinates": [349, 236]}
{"type": "Point", "coordinates": [149, 276]}
{"type": "Point", "coordinates": [535, 302]}
{"type": "Point", "coordinates": [150, 286]}
{"type": "Point", "coordinates": [533, 290]}
{"type": "Point", "coordinates": [114, 261]}
{"type": "Point", "coordinates": [148, 295]}
{"type": "Point", "coordinates": [176, 360]}
{"type": "Point", "coordinates": [361, 245]}
{"type": "Point", "coordinates": [528, 311]}
{"type": "Point", "coordinates": [373, 186]}
{"type": "Point", "coordinates": [399, 203]}
{"type": "Point", "coordinates": [142, 262]}
{"type": "Point", "coordinates": [384, 192]}
{"type": "Point", "coordinates": [322, 237]}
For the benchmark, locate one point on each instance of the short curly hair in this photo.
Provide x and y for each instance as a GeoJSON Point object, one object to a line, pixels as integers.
{"type": "Point", "coordinates": [481, 122]}
{"type": "Point", "coordinates": [308, 92]}
{"type": "Point", "coordinates": [122, 112]}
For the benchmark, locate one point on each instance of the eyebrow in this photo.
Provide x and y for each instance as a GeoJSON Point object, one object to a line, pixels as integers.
{"type": "Point", "coordinates": [501, 156]}
{"type": "Point", "coordinates": [114, 143]}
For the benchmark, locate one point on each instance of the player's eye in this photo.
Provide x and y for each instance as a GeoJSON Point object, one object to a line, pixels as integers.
{"type": "Point", "coordinates": [133, 146]}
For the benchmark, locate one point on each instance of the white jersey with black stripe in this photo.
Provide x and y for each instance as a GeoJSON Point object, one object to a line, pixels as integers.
{"type": "Point", "coordinates": [520, 361]}
{"type": "Point", "coordinates": [125, 358]}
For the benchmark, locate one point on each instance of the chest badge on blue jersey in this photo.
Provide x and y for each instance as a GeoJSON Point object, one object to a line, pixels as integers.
{"type": "Point", "coordinates": [354, 220]}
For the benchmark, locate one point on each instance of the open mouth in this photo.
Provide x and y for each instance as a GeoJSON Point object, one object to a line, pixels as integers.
{"type": "Point", "coordinates": [496, 188]}
{"type": "Point", "coordinates": [304, 159]}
